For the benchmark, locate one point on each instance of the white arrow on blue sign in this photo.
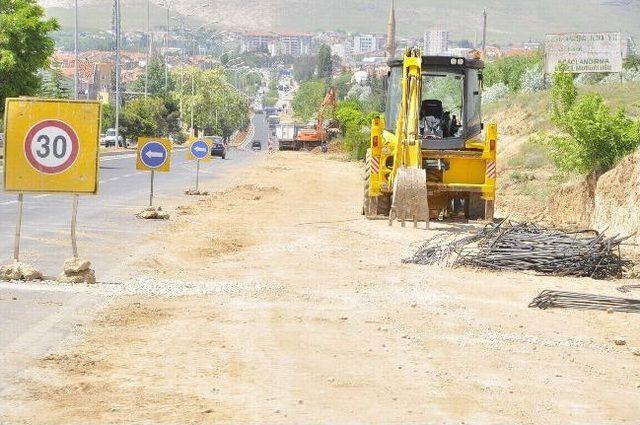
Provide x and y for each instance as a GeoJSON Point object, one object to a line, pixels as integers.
{"type": "Point", "coordinates": [153, 154]}
{"type": "Point", "coordinates": [200, 149]}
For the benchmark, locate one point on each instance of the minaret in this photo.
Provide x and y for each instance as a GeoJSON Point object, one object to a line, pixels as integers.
{"type": "Point", "coordinates": [391, 32]}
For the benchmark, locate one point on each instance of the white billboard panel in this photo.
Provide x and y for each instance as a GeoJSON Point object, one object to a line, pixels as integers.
{"type": "Point", "coordinates": [584, 52]}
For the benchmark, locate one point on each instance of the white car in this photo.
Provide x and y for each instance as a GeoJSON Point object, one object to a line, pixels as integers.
{"type": "Point", "coordinates": [109, 139]}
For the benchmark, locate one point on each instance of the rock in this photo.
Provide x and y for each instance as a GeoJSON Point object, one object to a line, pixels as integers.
{"type": "Point", "coordinates": [620, 341]}
{"type": "Point", "coordinates": [194, 192]}
{"type": "Point", "coordinates": [153, 213]}
{"type": "Point", "coordinates": [75, 265]}
{"type": "Point", "coordinates": [77, 270]}
{"type": "Point", "coordinates": [635, 351]}
{"type": "Point", "coordinates": [19, 271]}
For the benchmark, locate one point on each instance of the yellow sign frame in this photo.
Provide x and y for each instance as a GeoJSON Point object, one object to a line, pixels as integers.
{"type": "Point", "coordinates": [166, 166]}
{"type": "Point", "coordinates": [190, 156]}
{"type": "Point", "coordinates": [80, 119]}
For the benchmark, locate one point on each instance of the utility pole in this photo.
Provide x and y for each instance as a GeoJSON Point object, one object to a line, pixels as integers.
{"type": "Point", "coordinates": [117, 123]}
{"type": "Point", "coordinates": [146, 67]}
{"type": "Point", "coordinates": [166, 51]}
{"type": "Point", "coordinates": [75, 50]}
{"type": "Point", "coordinates": [484, 34]}
{"type": "Point", "coordinates": [193, 93]}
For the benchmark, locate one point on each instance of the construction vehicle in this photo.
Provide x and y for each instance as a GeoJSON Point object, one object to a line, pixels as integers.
{"type": "Point", "coordinates": [309, 138]}
{"type": "Point", "coordinates": [286, 137]}
{"type": "Point", "coordinates": [431, 157]}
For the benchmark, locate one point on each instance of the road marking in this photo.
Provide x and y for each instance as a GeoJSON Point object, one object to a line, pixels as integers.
{"type": "Point", "coordinates": [8, 202]}
{"type": "Point", "coordinates": [116, 157]}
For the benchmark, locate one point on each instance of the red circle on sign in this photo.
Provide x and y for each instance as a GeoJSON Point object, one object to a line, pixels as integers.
{"type": "Point", "coordinates": [73, 137]}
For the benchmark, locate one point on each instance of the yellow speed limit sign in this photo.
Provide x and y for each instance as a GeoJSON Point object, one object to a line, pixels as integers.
{"type": "Point", "coordinates": [51, 146]}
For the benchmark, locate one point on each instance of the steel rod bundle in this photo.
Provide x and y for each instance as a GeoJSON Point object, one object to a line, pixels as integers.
{"type": "Point", "coordinates": [559, 299]}
{"type": "Point", "coordinates": [528, 247]}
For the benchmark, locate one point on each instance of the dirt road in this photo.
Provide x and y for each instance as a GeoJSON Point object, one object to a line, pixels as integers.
{"type": "Point", "coordinates": [315, 320]}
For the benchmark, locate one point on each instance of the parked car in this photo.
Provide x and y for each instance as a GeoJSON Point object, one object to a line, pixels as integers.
{"type": "Point", "coordinates": [109, 139]}
{"type": "Point", "coordinates": [256, 145]}
{"type": "Point", "coordinates": [219, 149]}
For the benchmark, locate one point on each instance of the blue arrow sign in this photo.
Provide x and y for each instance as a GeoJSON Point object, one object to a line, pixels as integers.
{"type": "Point", "coordinates": [153, 154]}
{"type": "Point", "coordinates": [199, 149]}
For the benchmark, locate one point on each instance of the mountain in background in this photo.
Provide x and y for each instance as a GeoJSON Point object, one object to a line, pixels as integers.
{"type": "Point", "coordinates": [509, 20]}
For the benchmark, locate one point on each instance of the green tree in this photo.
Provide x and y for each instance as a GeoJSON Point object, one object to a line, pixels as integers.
{"type": "Point", "coordinates": [304, 68]}
{"type": "Point", "coordinates": [343, 83]}
{"type": "Point", "coordinates": [324, 62]}
{"type": "Point", "coordinates": [353, 121]}
{"type": "Point", "coordinates": [563, 95]}
{"type": "Point", "coordinates": [592, 138]}
{"type": "Point", "coordinates": [25, 47]}
{"type": "Point", "coordinates": [156, 78]}
{"type": "Point", "coordinates": [108, 117]}
{"type": "Point", "coordinates": [218, 108]}
{"type": "Point", "coordinates": [54, 85]}
{"type": "Point", "coordinates": [509, 70]}
{"type": "Point", "coordinates": [308, 99]}
{"type": "Point", "coordinates": [153, 116]}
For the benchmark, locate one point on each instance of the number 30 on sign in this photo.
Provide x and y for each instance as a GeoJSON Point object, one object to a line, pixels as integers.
{"type": "Point", "coordinates": [51, 146]}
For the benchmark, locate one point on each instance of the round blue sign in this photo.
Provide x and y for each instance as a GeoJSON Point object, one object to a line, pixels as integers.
{"type": "Point", "coordinates": [153, 154]}
{"type": "Point", "coordinates": [199, 149]}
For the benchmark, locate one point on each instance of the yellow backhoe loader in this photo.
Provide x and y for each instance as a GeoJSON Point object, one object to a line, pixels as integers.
{"type": "Point", "coordinates": [431, 156]}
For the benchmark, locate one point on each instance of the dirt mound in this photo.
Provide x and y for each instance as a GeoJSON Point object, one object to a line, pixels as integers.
{"type": "Point", "coordinates": [572, 205]}
{"type": "Point", "coordinates": [617, 197]}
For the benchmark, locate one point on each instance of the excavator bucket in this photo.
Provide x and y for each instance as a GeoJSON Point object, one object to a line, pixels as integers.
{"type": "Point", "coordinates": [410, 197]}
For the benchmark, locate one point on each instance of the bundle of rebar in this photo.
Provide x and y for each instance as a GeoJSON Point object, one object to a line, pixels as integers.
{"type": "Point", "coordinates": [529, 247]}
{"type": "Point", "coordinates": [559, 299]}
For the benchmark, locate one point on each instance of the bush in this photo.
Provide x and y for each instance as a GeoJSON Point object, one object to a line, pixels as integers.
{"type": "Point", "coordinates": [592, 138]}
{"type": "Point", "coordinates": [495, 93]}
{"type": "Point", "coordinates": [509, 70]}
{"type": "Point", "coordinates": [533, 80]}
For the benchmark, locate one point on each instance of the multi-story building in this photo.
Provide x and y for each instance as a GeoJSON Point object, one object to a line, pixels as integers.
{"type": "Point", "coordinates": [253, 42]}
{"type": "Point", "coordinates": [366, 43]}
{"type": "Point", "coordinates": [436, 42]}
{"type": "Point", "coordinates": [292, 44]}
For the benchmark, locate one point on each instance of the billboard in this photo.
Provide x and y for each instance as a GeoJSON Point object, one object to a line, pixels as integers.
{"type": "Point", "coordinates": [584, 52]}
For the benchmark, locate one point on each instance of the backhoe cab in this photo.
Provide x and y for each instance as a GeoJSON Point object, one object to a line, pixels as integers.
{"type": "Point", "coordinates": [431, 156]}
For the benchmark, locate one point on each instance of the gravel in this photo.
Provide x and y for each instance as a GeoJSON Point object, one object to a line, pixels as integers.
{"type": "Point", "coordinates": [146, 285]}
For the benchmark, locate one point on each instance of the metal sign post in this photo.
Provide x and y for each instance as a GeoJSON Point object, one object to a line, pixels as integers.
{"type": "Point", "coordinates": [74, 220]}
{"type": "Point", "coordinates": [151, 191]}
{"type": "Point", "coordinates": [16, 243]}
{"type": "Point", "coordinates": [197, 174]}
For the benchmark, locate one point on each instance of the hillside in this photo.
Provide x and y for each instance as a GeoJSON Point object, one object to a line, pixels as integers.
{"type": "Point", "coordinates": [508, 20]}
{"type": "Point", "coordinates": [532, 188]}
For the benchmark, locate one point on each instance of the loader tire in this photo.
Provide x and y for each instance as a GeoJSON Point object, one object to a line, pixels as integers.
{"type": "Point", "coordinates": [477, 208]}
{"type": "Point", "coordinates": [373, 207]}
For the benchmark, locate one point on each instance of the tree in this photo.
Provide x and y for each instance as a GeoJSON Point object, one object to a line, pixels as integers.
{"type": "Point", "coordinates": [153, 116]}
{"type": "Point", "coordinates": [324, 62]}
{"type": "Point", "coordinates": [592, 138]}
{"type": "Point", "coordinates": [509, 70]}
{"type": "Point", "coordinates": [54, 85]}
{"type": "Point", "coordinates": [156, 84]}
{"type": "Point", "coordinates": [304, 68]}
{"type": "Point", "coordinates": [25, 47]}
{"type": "Point", "coordinates": [218, 108]}
{"type": "Point", "coordinates": [308, 99]}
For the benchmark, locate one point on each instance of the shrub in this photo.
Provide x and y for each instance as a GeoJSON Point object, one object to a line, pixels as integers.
{"type": "Point", "coordinates": [533, 80]}
{"type": "Point", "coordinates": [495, 93]}
{"type": "Point", "coordinates": [509, 70]}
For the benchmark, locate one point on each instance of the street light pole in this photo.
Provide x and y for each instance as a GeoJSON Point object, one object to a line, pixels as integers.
{"type": "Point", "coordinates": [117, 123]}
{"type": "Point", "coordinates": [75, 50]}
{"type": "Point", "coordinates": [166, 52]}
{"type": "Point", "coordinates": [193, 93]}
{"type": "Point", "coordinates": [146, 67]}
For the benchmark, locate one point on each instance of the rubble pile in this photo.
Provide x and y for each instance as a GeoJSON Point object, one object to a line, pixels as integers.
{"type": "Point", "coordinates": [19, 271]}
{"type": "Point", "coordinates": [77, 270]}
{"type": "Point", "coordinates": [153, 213]}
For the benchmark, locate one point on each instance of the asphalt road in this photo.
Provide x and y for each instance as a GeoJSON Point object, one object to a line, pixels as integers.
{"type": "Point", "coordinates": [34, 319]}
{"type": "Point", "coordinates": [108, 217]}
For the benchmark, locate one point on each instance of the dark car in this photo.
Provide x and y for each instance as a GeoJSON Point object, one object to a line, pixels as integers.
{"type": "Point", "coordinates": [219, 149]}
{"type": "Point", "coordinates": [256, 145]}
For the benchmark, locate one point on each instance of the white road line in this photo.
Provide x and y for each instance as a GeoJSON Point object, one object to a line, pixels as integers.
{"type": "Point", "coordinates": [115, 157]}
{"type": "Point", "coordinates": [8, 202]}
